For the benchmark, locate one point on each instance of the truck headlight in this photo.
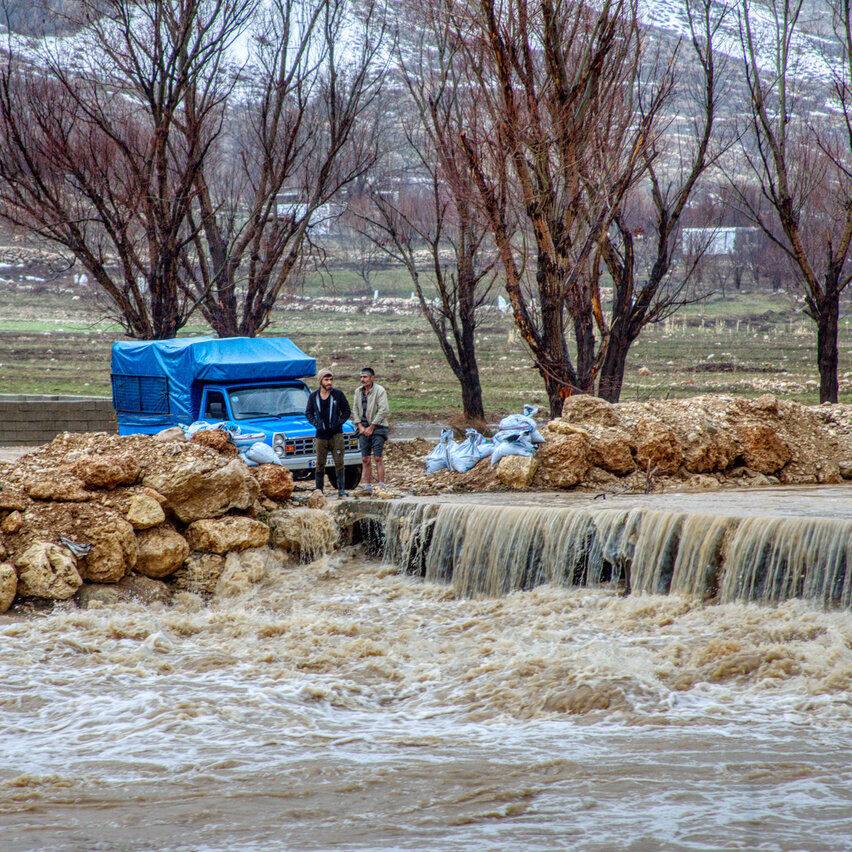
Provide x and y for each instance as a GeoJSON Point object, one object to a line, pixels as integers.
{"type": "Point", "coordinates": [278, 439]}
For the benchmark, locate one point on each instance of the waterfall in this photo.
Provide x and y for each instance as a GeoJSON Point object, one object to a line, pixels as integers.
{"type": "Point", "coordinates": [489, 550]}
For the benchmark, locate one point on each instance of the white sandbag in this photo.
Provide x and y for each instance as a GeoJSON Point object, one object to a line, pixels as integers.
{"type": "Point", "coordinates": [483, 446]}
{"type": "Point", "coordinates": [465, 455]}
{"type": "Point", "coordinates": [248, 462]}
{"type": "Point", "coordinates": [261, 453]}
{"type": "Point", "coordinates": [439, 458]}
{"type": "Point", "coordinates": [523, 422]}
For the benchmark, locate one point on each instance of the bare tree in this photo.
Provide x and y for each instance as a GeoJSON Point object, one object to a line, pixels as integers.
{"type": "Point", "coordinates": [305, 130]}
{"type": "Point", "coordinates": [426, 217]}
{"type": "Point", "coordinates": [650, 289]}
{"type": "Point", "coordinates": [801, 159]}
{"type": "Point", "coordinates": [557, 144]}
{"type": "Point", "coordinates": [99, 155]}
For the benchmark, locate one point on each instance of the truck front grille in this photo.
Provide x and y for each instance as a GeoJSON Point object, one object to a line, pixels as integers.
{"type": "Point", "coordinates": [293, 447]}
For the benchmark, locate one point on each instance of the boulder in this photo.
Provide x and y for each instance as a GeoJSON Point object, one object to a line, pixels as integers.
{"type": "Point", "coordinates": [563, 462]}
{"type": "Point", "coordinates": [243, 570]}
{"type": "Point", "coordinates": [12, 499]}
{"type": "Point", "coordinates": [517, 471]}
{"type": "Point", "coordinates": [8, 585]}
{"type": "Point", "coordinates": [57, 487]}
{"type": "Point", "coordinates": [107, 471]}
{"type": "Point", "coordinates": [146, 590]}
{"type": "Point", "coordinates": [306, 533]}
{"type": "Point", "coordinates": [144, 512]}
{"type": "Point", "coordinates": [585, 408]}
{"type": "Point", "coordinates": [12, 523]}
{"type": "Point", "coordinates": [130, 588]}
{"type": "Point", "coordinates": [225, 534]}
{"type": "Point", "coordinates": [216, 439]}
{"type": "Point", "coordinates": [761, 447]}
{"type": "Point", "coordinates": [611, 451]}
{"type": "Point", "coordinates": [709, 450]}
{"type": "Point", "coordinates": [113, 551]}
{"type": "Point", "coordinates": [657, 448]}
{"type": "Point", "coordinates": [162, 550]}
{"type": "Point", "coordinates": [197, 488]}
{"type": "Point", "coordinates": [173, 433]}
{"type": "Point", "coordinates": [275, 482]}
{"type": "Point", "coordinates": [316, 500]}
{"type": "Point", "coordinates": [200, 573]}
{"type": "Point", "coordinates": [47, 571]}
{"type": "Point", "coordinates": [845, 469]}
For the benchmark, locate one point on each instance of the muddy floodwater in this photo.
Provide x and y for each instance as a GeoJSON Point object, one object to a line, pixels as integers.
{"type": "Point", "coordinates": [342, 705]}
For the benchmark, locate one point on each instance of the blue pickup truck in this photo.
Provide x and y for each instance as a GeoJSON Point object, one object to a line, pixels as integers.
{"type": "Point", "coordinates": [254, 383]}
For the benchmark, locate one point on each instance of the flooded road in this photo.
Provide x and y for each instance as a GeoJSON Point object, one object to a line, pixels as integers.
{"type": "Point", "coordinates": [341, 705]}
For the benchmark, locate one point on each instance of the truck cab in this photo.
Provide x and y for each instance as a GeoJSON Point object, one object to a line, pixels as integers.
{"type": "Point", "coordinates": [255, 384]}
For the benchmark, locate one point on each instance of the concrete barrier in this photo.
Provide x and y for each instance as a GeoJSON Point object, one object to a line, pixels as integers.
{"type": "Point", "coordinates": [27, 419]}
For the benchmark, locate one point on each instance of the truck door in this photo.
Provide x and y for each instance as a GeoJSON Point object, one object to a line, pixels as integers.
{"type": "Point", "coordinates": [213, 405]}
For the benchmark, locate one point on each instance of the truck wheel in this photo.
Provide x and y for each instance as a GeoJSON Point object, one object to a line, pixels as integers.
{"type": "Point", "coordinates": [352, 476]}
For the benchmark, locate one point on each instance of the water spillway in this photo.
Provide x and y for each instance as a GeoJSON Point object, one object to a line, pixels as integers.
{"type": "Point", "coordinates": [764, 546]}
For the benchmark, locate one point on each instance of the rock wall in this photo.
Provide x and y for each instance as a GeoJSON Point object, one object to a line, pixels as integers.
{"type": "Point", "coordinates": [99, 518]}
{"type": "Point", "coordinates": [706, 442]}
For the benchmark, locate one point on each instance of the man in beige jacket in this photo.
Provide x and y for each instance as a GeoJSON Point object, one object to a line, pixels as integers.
{"type": "Point", "coordinates": [370, 415]}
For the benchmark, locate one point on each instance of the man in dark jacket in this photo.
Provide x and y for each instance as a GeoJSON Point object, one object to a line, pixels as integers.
{"type": "Point", "coordinates": [327, 410]}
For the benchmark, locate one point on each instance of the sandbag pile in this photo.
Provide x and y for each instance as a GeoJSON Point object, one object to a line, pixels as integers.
{"type": "Point", "coordinates": [98, 518]}
{"type": "Point", "coordinates": [518, 435]}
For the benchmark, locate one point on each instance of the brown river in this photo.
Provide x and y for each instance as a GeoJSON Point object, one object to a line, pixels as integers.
{"type": "Point", "coordinates": [339, 704]}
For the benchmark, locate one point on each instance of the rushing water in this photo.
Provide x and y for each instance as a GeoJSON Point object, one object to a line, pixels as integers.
{"type": "Point", "coordinates": [341, 704]}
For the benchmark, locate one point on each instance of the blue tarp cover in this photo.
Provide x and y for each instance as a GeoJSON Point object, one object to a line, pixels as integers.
{"type": "Point", "coordinates": [188, 361]}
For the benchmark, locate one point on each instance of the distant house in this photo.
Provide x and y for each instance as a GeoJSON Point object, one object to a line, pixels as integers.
{"type": "Point", "coordinates": [322, 221]}
{"type": "Point", "coordinates": [716, 242]}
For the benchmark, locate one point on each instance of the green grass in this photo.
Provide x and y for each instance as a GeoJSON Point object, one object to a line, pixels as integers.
{"type": "Point", "coordinates": [52, 345]}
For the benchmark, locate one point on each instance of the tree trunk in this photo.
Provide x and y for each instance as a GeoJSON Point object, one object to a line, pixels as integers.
{"type": "Point", "coordinates": [827, 333]}
{"type": "Point", "coordinates": [612, 370]}
{"type": "Point", "coordinates": [471, 390]}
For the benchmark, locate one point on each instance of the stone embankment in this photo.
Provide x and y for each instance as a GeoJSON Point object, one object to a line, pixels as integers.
{"type": "Point", "coordinates": [100, 518]}
{"type": "Point", "coordinates": [707, 442]}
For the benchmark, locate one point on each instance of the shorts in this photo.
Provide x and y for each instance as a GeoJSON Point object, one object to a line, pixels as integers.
{"type": "Point", "coordinates": [373, 445]}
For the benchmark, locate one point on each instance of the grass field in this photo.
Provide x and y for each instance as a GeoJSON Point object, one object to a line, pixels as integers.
{"type": "Point", "coordinates": [748, 344]}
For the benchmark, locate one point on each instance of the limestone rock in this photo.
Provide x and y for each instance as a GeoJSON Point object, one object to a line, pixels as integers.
{"type": "Point", "coordinates": [225, 534]}
{"type": "Point", "coordinates": [146, 590]}
{"type": "Point", "coordinates": [611, 451]}
{"type": "Point", "coordinates": [709, 450]}
{"type": "Point", "coordinates": [657, 448]}
{"type": "Point", "coordinates": [762, 448]}
{"type": "Point", "coordinates": [131, 588]}
{"type": "Point", "coordinates": [590, 409]}
{"type": "Point", "coordinates": [316, 500]}
{"type": "Point", "coordinates": [107, 471]}
{"type": "Point", "coordinates": [243, 570]}
{"type": "Point", "coordinates": [162, 550]}
{"type": "Point", "coordinates": [144, 512]}
{"type": "Point", "coordinates": [845, 469]}
{"type": "Point", "coordinates": [113, 550]}
{"type": "Point", "coordinates": [200, 573]}
{"type": "Point", "coordinates": [173, 433]}
{"type": "Point", "coordinates": [12, 499]}
{"type": "Point", "coordinates": [517, 471]}
{"type": "Point", "coordinates": [47, 571]}
{"type": "Point", "coordinates": [216, 439]}
{"type": "Point", "coordinates": [306, 533]}
{"type": "Point", "coordinates": [8, 585]}
{"type": "Point", "coordinates": [702, 482]}
{"type": "Point", "coordinates": [196, 489]}
{"type": "Point", "coordinates": [12, 523]}
{"type": "Point", "coordinates": [275, 482]}
{"type": "Point", "coordinates": [563, 462]}
{"type": "Point", "coordinates": [62, 488]}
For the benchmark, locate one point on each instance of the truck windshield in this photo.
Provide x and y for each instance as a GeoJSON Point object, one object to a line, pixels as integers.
{"type": "Point", "coordinates": [273, 401]}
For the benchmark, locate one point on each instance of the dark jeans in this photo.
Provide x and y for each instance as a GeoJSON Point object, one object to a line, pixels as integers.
{"type": "Point", "coordinates": [334, 444]}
